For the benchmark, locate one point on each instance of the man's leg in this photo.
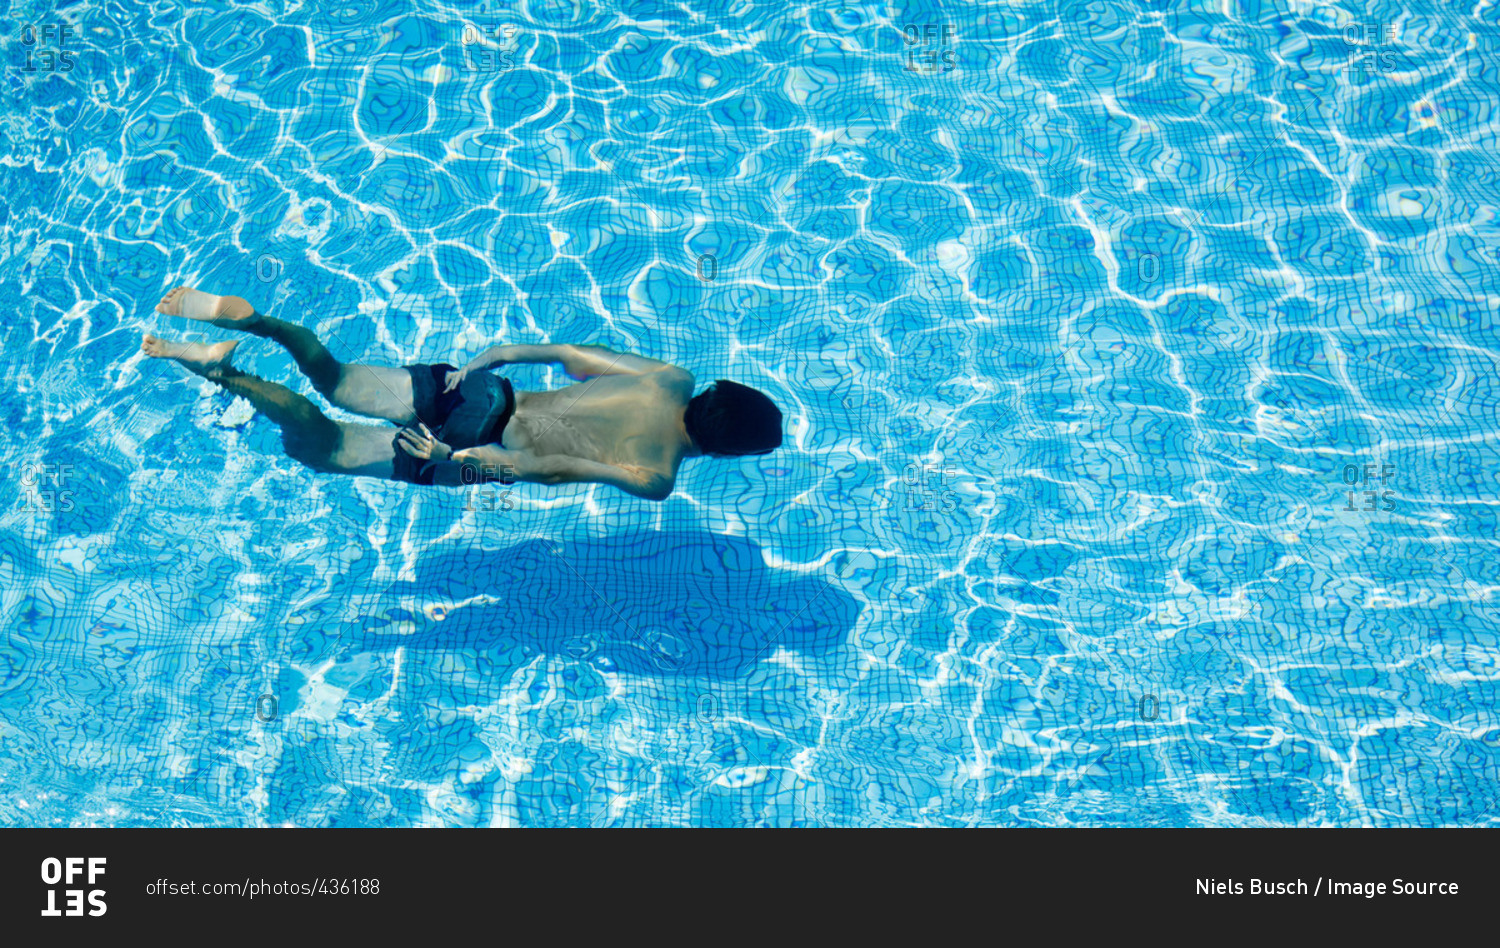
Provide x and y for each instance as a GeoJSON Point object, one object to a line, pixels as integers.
{"type": "Point", "coordinates": [372, 390]}
{"type": "Point", "coordinates": [309, 436]}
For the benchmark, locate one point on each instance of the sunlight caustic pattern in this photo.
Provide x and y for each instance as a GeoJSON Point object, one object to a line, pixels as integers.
{"type": "Point", "coordinates": [1138, 360]}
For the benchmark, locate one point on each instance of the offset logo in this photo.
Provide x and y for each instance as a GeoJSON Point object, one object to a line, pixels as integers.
{"type": "Point", "coordinates": [47, 47]}
{"type": "Point", "coordinates": [497, 48]}
{"type": "Point", "coordinates": [1373, 492]}
{"type": "Point", "coordinates": [44, 488]}
{"type": "Point", "coordinates": [930, 488]}
{"type": "Point", "coordinates": [930, 47]}
{"type": "Point", "coordinates": [69, 871]}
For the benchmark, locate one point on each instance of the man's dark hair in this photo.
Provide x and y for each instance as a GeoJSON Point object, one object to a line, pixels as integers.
{"type": "Point", "coordinates": [729, 419]}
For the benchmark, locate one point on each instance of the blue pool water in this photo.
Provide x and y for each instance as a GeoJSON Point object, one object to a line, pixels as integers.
{"type": "Point", "coordinates": [1138, 363]}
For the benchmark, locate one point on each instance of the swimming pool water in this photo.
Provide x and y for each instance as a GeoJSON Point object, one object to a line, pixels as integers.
{"type": "Point", "coordinates": [1138, 360]}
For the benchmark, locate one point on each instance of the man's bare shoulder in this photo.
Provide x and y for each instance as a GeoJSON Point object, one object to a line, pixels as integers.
{"type": "Point", "coordinates": [678, 377]}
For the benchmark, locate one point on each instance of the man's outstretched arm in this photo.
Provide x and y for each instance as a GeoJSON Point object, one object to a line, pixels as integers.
{"type": "Point", "coordinates": [579, 361]}
{"type": "Point", "coordinates": [491, 462]}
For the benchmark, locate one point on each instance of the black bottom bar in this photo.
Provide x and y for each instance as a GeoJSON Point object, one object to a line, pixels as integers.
{"type": "Point", "coordinates": [366, 880]}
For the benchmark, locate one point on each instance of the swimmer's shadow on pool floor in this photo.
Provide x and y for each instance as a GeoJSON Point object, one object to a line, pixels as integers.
{"type": "Point", "coordinates": [679, 603]}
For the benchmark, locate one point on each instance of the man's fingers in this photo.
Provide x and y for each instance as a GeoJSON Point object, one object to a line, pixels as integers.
{"type": "Point", "coordinates": [413, 445]}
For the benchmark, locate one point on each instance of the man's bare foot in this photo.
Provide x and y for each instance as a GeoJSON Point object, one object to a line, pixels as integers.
{"type": "Point", "coordinates": [231, 312]}
{"type": "Point", "coordinates": [207, 361]}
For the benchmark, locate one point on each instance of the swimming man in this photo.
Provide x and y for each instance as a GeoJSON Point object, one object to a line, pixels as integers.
{"type": "Point", "coordinates": [630, 423]}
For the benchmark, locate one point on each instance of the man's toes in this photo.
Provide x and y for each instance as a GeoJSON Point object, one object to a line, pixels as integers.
{"type": "Point", "coordinates": [169, 303]}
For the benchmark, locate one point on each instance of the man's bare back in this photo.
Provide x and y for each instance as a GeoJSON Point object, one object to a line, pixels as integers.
{"type": "Point", "coordinates": [621, 424]}
{"type": "Point", "coordinates": [629, 422]}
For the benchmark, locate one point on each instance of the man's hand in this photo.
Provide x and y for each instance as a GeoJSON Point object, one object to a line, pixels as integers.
{"type": "Point", "coordinates": [421, 443]}
{"type": "Point", "coordinates": [487, 359]}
